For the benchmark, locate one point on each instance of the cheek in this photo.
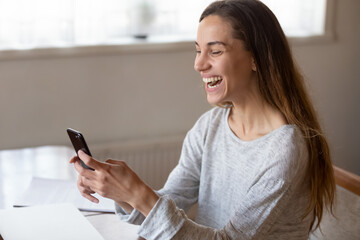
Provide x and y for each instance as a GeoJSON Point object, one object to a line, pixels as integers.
{"type": "Point", "coordinates": [241, 69]}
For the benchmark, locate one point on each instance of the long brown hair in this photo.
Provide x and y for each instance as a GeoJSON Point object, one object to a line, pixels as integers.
{"type": "Point", "coordinates": [282, 86]}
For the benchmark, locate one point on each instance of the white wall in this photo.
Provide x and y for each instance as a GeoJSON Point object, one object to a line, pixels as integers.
{"type": "Point", "coordinates": [141, 95]}
{"type": "Point", "coordinates": [117, 97]}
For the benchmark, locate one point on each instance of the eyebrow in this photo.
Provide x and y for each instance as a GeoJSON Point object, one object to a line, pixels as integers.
{"type": "Point", "coordinates": [213, 43]}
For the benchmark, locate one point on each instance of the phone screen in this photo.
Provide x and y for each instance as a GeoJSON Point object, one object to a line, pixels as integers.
{"type": "Point", "coordinates": [79, 143]}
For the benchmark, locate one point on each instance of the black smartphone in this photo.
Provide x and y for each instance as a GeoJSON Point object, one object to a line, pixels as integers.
{"type": "Point", "coordinates": [79, 143]}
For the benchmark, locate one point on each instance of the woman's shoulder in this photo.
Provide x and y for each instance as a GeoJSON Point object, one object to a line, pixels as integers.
{"type": "Point", "coordinates": [287, 140]}
{"type": "Point", "coordinates": [289, 149]}
{"type": "Point", "coordinates": [208, 122]}
{"type": "Point", "coordinates": [289, 135]}
{"type": "Point", "coordinates": [215, 114]}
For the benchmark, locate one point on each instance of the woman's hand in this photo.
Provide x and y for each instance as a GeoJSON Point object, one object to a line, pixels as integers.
{"type": "Point", "coordinates": [115, 180]}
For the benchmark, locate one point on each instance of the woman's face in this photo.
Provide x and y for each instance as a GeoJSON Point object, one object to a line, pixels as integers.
{"type": "Point", "coordinates": [227, 68]}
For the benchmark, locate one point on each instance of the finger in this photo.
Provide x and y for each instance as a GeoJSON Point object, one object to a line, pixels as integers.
{"type": "Point", "coordinates": [77, 166]}
{"type": "Point", "coordinates": [89, 184]}
{"type": "Point", "coordinates": [73, 159]}
{"type": "Point", "coordinates": [89, 197]}
{"type": "Point", "coordinates": [87, 173]}
{"type": "Point", "coordinates": [89, 161]}
{"type": "Point", "coordinates": [83, 186]}
{"type": "Point", "coordinates": [86, 192]}
{"type": "Point", "coordinates": [116, 162]}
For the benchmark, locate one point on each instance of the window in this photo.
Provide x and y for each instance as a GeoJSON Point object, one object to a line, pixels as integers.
{"type": "Point", "coordinates": [300, 18]}
{"type": "Point", "coordinates": [26, 24]}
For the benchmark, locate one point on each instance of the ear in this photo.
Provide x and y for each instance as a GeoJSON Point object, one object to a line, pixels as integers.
{"type": "Point", "coordinates": [253, 65]}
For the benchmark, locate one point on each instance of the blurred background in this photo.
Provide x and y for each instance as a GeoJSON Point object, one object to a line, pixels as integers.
{"type": "Point", "coordinates": [123, 70]}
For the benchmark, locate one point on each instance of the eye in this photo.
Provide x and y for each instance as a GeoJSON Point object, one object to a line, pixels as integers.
{"type": "Point", "coordinates": [215, 53]}
{"type": "Point", "coordinates": [197, 49]}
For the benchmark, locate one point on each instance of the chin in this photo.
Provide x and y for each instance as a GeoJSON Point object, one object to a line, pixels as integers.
{"type": "Point", "coordinates": [214, 102]}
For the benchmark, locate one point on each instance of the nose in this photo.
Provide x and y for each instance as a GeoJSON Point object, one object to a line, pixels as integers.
{"type": "Point", "coordinates": [201, 63]}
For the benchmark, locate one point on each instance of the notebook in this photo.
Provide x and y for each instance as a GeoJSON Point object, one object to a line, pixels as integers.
{"type": "Point", "coordinates": [56, 222]}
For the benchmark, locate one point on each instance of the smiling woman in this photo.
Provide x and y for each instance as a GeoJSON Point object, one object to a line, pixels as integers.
{"type": "Point", "coordinates": [258, 168]}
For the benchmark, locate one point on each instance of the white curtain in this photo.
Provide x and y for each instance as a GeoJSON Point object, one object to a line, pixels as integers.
{"type": "Point", "coordinates": [59, 23]}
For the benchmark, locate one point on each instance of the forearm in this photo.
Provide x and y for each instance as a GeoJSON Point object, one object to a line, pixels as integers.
{"type": "Point", "coordinates": [145, 201]}
{"type": "Point", "coordinates": [136, 215]}
{"type": "Point", "coordinates": [127, 207]}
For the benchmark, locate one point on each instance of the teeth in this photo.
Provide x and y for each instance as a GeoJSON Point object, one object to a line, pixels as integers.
{"type": "Point", "coordinates": [212, 79]}
{"type": "Point", "coordinates": [209, 86]}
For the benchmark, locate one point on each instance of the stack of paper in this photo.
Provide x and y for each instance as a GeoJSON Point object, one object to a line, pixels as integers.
{"type": "Point", "coordinates": [50, 191]}
{"type": "Point", "coordinates": [56, 222]}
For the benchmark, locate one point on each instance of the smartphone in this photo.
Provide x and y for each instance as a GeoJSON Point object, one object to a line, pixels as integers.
{"type": "Point", "coordinates": [79, 143]}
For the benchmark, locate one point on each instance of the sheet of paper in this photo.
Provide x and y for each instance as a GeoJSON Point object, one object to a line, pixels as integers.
{"type": "Point", "coordinates": [56, 222]}
{"type": "Point", "coordinates": [49, 191]}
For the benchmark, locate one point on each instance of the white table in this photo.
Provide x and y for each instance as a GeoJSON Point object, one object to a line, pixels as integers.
{"type": "Point", "coordinates": [19, 166]}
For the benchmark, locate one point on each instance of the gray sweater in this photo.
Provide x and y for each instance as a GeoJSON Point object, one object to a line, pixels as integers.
{"type": "Point", "coordinates": [255, 189]}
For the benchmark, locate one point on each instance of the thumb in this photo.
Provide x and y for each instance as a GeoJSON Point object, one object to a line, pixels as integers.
{"type": "Point", "coordinates": [88, 160]}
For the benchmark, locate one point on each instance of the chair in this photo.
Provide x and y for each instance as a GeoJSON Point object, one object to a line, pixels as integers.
{"type": "Point", "coordinates": [346, 223]}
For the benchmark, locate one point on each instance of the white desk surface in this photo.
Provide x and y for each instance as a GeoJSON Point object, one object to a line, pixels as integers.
{"type": "Point", "coordinates": [18, 167]}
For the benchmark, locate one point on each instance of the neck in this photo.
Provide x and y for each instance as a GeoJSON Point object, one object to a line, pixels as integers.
{"type": "Point", "coordinates": [251, 117]}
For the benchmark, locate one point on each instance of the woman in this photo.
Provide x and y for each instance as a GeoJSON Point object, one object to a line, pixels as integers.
{"type": "Point", "coordinates": [258, 166]}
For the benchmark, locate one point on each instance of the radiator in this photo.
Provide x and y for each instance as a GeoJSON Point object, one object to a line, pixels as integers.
{"type": "Point", "coordinates": [151, 159]}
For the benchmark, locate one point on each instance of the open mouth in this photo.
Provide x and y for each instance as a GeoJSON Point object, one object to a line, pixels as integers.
{"type": "Point", "coordinates": [213, 81]}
